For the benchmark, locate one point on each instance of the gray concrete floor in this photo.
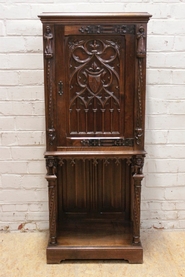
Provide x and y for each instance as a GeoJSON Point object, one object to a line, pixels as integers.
{"type": "Point", "coordinates": [23, 254]}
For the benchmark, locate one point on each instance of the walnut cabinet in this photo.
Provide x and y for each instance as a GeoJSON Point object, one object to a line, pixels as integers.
{"type": "Point", "coordinates": [94, 77]}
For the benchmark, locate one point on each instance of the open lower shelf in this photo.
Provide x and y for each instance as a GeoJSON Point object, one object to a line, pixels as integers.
{"type": "Point", "coordinates": [81, 239]}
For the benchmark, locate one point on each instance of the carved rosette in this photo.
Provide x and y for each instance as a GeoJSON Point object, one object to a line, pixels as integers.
{"type": "Point", "coordinates": [51, 165]}
{"type": "Point", "coordinates": [141, 54]}
{"type": "Point", "coordinates": [48, 55]}
{"type": "Point", "coordinates": [137, 166]}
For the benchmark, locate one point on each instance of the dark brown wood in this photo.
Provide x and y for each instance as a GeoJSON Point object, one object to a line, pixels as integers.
{"type": "Point", "coordinates": [94, 75]}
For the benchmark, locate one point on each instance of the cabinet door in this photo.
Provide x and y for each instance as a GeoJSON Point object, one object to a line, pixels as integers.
{"type": "Point", "coordinates": [92, 72]}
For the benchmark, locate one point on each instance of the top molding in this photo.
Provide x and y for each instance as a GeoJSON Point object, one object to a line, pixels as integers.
{"type": "Point", "coordinates": [85, 17]}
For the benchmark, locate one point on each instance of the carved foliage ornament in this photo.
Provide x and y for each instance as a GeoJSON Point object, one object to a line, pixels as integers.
{"type": "Point", "coordinates": [108, 29]}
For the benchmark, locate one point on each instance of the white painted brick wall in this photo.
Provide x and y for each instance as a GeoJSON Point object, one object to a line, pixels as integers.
{"type": "Point", "coordinates": [23, 189]}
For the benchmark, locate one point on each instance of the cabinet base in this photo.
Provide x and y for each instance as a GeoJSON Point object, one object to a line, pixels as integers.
{"type": "Point", "coordinates": [94, 240]}
{"type": "Point", "coordinates": [57, 254]}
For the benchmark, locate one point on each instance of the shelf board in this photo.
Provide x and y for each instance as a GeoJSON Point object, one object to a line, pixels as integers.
{"type": "Point", "coordinates": [80, 239]}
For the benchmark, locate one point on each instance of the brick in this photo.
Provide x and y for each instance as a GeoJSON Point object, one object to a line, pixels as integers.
{"type": "Point", "coordinates": [11, 181]}
{"type": "Point", "coordinates": [9, 78]}
{"type": "Point", "coordinates": [23, 28]}
{"type": "Point", "coordinates": [176, 193]}
{"type": "Point", "coordinates": [22, 208]}
{"type": "Point", "coordinates": [164, 92]}
{"type": "Point", "coordinates": [165, 151]}
{"type": "Point", "coordinates": [110, 7]}
{"type": "Point", "coordinates": [2, 28]}
{"type": "Point", "coordinates": [165, 180]}
{"type": "Point", "coordinates": [167, 1]}
{"type": "Point", "coordinates": [160, 43]}
{"type": "Point", "coordinates": [167, 166]}
{"type": "Point", "coordinates": [154, 206]}
{"type": "Point", "coordinates": [37, 216]}
{"type": "Point", "coordinates": [157, 10]}
{"type": "Point", "coordinates": [11, 45]}
{"type": "Point", "coordinates": [166, 27]}
{"type": "Point", "coordinates": [15, 11]}
{"type": "Point", "coordinates": [16, 167]}
{"type": "Point", "coordinates": [167, 60]}
{"type": "Point", "coordinates": [168, 107]}
{"type": "Point", "coordinates": [9, 138]}
{"type": "Point", "coordinates": [10, 196]}
{"type": "Point", "coordinates": [16, 108]}
{"type": "Point", "coordinates": [42, 225]}
{"type": "Point", "coordinates": [28, 77]}
{"type": "Point", "coordinates": [33, 182]}
{"type": "Point", "coordinates": [179, 43]}
{"type": "Point", "coordinates": [178, 76]}
{"type": "Point", "coordinates": [7, 123]}
{"type": "Point", "coordinates": [168, 206]}
{"type": "Point", "coordinates": [180, 205]}
{"type": "Point", "coordinates": [35, 1]}
{"type": "Point", "coordinates": [18, 93]}
{"type": "Point", "coordinates": [36, 167]}
{"type": "Point", "coordinates": [3, 93]}
{"type": "Point", "coordinates": [36, 207]}
{"type": "Point", "coordinates": [21, 61]}
{"type": "Point", "coordinates": [30, 123]}
{"type": "Point", "coordinates": [12, 216]}
{"type": "Point", "coordinates": [165, 122]}
{"type": "Point", "coordinates": [34, 44]}
{"type": "Point", "coordinates": [153, 193]}
{"type": "Point", "coordinates": [30, 138]}
{"type": "Point", "coordinates": [156, 136]}
{"type": "Point", "coordinates": [178, 10]}
{"type": "Point", "coordinates": [158, 76]}
{"type": "Point", "coordinates": [27, 153]}
{"type": "Point", "coordinates": [181, 214]}
{"type": "Point", "coordinates": [182, 224]}
{"type": "Point", "coordinates": [38, 108]}
{"type": "Point", "coordinates": [8, 208]}
{"type": "Point", "coordinates": [5, 153]}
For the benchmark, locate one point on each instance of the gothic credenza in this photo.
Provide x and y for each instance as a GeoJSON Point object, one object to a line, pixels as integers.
{"type": "Point", "coordinates": [94, 76]}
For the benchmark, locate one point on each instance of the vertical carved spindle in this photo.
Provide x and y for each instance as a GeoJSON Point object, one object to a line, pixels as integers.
{"type": "Point", "coordinates": [137, 166]}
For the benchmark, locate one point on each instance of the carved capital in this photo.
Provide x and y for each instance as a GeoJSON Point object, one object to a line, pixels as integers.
{"type": "Point", "coordinates": [137, 164]}
{"type": "Point", "coordinates": [51, 165]}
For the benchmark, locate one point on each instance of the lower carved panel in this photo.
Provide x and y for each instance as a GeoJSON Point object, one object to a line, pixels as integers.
{"type": "Point", "coordinates": [96, 186]}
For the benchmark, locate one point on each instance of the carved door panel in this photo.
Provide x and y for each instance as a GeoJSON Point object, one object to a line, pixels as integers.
{"type": "Point", "coordinates": [92, 90]}
{"type": "Point", "coordinates": [95, 87]}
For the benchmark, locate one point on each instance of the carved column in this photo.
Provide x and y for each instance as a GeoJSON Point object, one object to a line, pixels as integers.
{"type": "Point", "coordinates": [48, 57]}
{"type": "Point", "coordinates": [141, 58]}
{"type": "Point", "coordinates": [51, 165]}
{"type": "Point", "coordinates": [137, 166]}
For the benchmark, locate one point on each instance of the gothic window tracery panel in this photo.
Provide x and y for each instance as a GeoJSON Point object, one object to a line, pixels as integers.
{"type": "Point", "coordinates": [96, 85]}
